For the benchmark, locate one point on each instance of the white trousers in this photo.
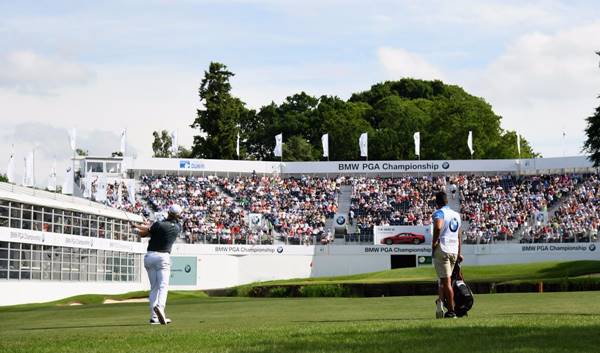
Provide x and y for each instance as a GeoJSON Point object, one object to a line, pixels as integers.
{"type": "Point", "coordinates": [158, 265]}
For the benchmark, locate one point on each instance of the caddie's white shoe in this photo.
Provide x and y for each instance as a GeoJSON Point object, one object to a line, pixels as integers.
{"type": "Point", "coordinates": [439, 309]}
{"type": "Point", "coordinates": [160, 314]}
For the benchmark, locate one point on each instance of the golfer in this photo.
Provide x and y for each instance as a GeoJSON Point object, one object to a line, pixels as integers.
{"type": "Point", "coordinates": [445, 251]}
{"type": "Point", "coordinates": [158, 261]}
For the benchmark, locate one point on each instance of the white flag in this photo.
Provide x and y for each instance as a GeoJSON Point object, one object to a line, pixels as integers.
{"type": "Point", "coordinates": [123, 141]}
{"type": "Point", "coordinates": [174, 143]}
{"type": "Point", "coordinates": [87, 192]}
{"type": "Point", "coordinates": [73, 139]}
{"type": "Point", "coordinates": [237, 145]}
{"type": "Point", "coordinates": [68, 184]}
{"type": "Point", "coordinates": [52, 178]}
{"type": "Point", "coordinates": [28, 180]}
{"type": "Point", "coordinates": [518, 144]}
{"type": "Point", "coordinates": [131, 191]}
{"type": "Point", "coordinates": [278, 151]}
{"type": "Point", "coordinates": [10, 170]}
{"type": "Point", "coordinates": [325, 142]}
{"type": "Point", "coordinates": [364, 145]}
{"type": "Point", "coordinates": [101, 189]}
{"type": "Point", "coordinates": [470, 142]}
{"type": "Point", "coordinates": [417, 138]}
{"type": "Point", "coordinates": [120, 194]}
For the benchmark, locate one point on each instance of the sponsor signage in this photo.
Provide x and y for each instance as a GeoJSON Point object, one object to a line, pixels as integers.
{"type": "Point", "coordinates": [559, 247]}
{"type": "Point", "coordinates": [397, 250]}
{"type": "Point", "coordinates": [183, 271]}
{"type": "Point", "coordinates": [390, 235]}
{"type": "Point", "coordinates": [73, 241]}
{"type": "Point", "coordinates": [191, 164]}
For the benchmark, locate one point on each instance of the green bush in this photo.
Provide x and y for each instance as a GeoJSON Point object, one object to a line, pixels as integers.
{"type": "Point", "coordinates": [324, 290]}
{"type": "Point", "coordinates": [279, 292]}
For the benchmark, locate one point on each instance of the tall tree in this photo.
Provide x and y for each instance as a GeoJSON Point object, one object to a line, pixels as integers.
{"type": "Point", "coordinates": [162, 144]}
{"type": "Point", "coordinates": [592, 143]}
{"type": "Point", "coordinates": [219, 119]}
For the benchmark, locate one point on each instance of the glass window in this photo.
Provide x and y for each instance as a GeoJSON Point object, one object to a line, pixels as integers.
{"type": "Point", "coordinates": [15, 215]}
{"type": "Point", "coordinates": [95, 167]}
{"type": "Point", "coordinates": [109, 229]}
{"type": "Point", "coordinates": [85, 225]}
{"type": "Point", "coordinates": [47, 226]}
{"type": "Point", "coordinates": [58, 221]}
{"type": "Point", "coordinates": [68, 222]}
{"type": "Point", "coordinates": [117, 229]}
{"type": "Point", "coordinates": [4, 208]}
{"type": "Point", "coordinates": [75, 264]}
{"type": "Point", "coordinates": [3, 261]}
{"type": "Point", "coordinates": [93, 265]}
{"type": "Point", "coordinates": [56, 262]}
{"type": "Point", "coordinates": [47, 254]}
{"type": "Point", "coordinates": [76, 223]}
{"type": "Point", "coordinates": [101, 227]}
{"type": "Point", "coordinates": [26, 217]}
{"type": "Point", "coordinates": [36, 261]}
{"type": "Point", "coordinates": [101, 265]}
{"type": "Point", "coordinates": [14, 263]}
{"type": "Point", "coordinates": [38, 216]}
{"type": "Point", "coordinates": [25, 261]}
{"type": "Point", "coordinates": [94, 226]}
{"type": "Point", "coordinates": [113, 167]}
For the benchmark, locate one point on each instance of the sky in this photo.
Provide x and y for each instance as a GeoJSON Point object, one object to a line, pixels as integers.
{"type": "Point", "coordinates": [105, 66]}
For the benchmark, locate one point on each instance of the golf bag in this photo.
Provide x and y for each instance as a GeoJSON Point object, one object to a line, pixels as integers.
{"type": "Point", "coordinates": [463, 296]}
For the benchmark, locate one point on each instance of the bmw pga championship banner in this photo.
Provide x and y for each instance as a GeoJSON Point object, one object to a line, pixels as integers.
{"type": "Point", "coordinates": [389, 235]}
{"type": "Point", "coordinates": [183, 271]}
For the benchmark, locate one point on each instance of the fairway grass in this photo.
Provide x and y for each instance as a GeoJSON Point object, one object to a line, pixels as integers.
{"type": "Point", "coordinates": [548, 322]}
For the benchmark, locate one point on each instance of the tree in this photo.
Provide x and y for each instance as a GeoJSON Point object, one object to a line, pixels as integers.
{"type": "Point", "coordinates": [162, 144]}
{"type": "Point", "coordinates": [3, 178]}
{"type": "Point", "coordinates": [592, 143]}
{"type": "Point", "coordinates": [296, 148]}
{"type": "Point", "coordinates": [81, 152]}
{"type": "Point", "coordinates": [183, 152]}
{"type": "Point", "coordinates": [218, 121]}
{"type": "Point", "coordinates": [117, 154]}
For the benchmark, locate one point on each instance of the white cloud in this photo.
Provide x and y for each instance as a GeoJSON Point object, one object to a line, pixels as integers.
{"type": "Point", "coordinates": [400, 63]}
{"type": "Point", "coordinates": [31, 73]}
{"type": "Point", "coordinates": [542, 85]}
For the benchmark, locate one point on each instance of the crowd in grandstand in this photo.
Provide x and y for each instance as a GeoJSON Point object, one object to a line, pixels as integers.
{"type": "Point", "coordinates": [393, 201]}
{"type": "Point", "coordinates": [577, 218]}
{"type": "Point", "coordinates": [218, 210]}
{"type": "Point", "coordinates": [541, 208]}
{"type": "Point", "coordinates": [497, 206]}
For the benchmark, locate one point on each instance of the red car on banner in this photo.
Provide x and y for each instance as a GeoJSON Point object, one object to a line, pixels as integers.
{"type": "Point", "coordinates": [404, 238]}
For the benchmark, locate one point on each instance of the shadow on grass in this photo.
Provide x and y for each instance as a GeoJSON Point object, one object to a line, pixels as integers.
{"type": "Point", "coordinates": [359, 320]}
{"type": "Point", "coordinates": [572, 268]}
{"type": "Point", "coordinates": [433, 340]}
{"type": "Point", "coordinates": [80, 326]}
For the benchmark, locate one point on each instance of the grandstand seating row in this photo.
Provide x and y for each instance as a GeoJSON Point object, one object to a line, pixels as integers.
{"type": "Point", "coordinates": [540, 208]}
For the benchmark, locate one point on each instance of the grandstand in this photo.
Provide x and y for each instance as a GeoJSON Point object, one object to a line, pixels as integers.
{"type": "Point", "coordinates": [268, 220]}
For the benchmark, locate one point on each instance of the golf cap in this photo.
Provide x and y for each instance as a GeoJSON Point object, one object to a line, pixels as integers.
{"type": "Point", "coordinates": [175, 210]}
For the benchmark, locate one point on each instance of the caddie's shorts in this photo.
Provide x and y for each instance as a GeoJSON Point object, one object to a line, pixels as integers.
{"type": "Point", "coordinates": [443, 263]}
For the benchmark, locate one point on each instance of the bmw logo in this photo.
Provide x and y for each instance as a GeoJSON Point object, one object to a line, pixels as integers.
{"type": "Point", "coordinates": [592, 247]}
{"type": "Point", "coordinates": [187, 268]}
{"type": "Point", "coordinates": [341, 220]}
{"type": "Point", "coordinates": [445, 165]}
{"type": "Point", "coordinates": [421, 259]}
{"type": "Point", "coordinates": [453, 225]}
{"type": "Point", "coordinates": [279, 249]}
